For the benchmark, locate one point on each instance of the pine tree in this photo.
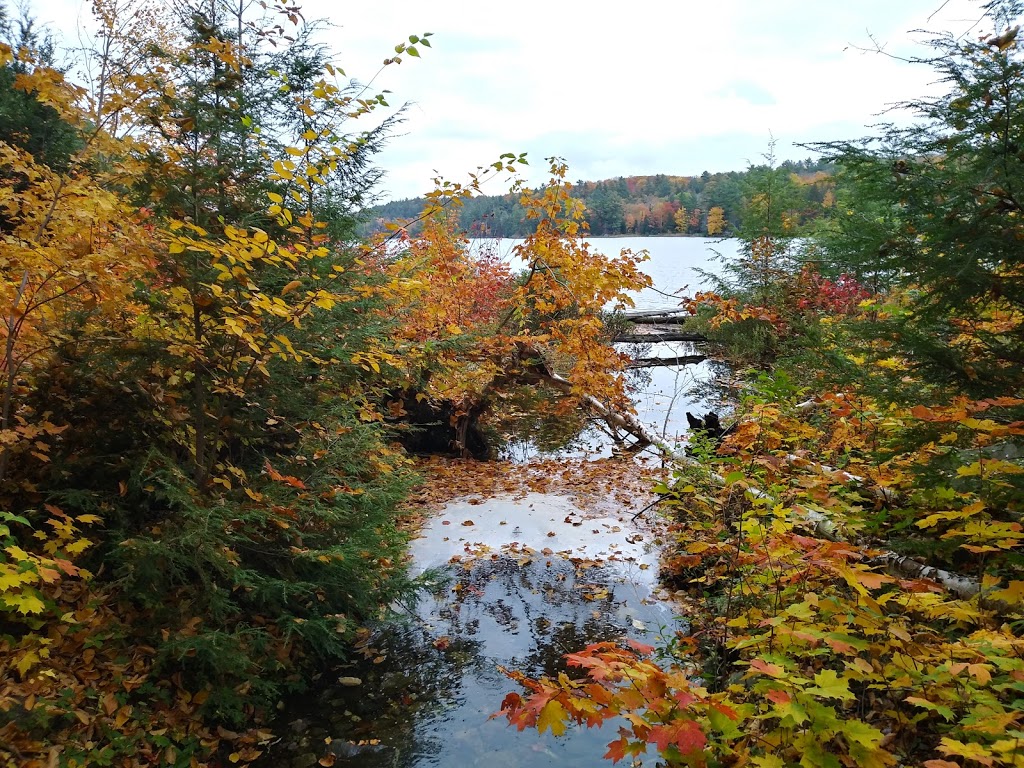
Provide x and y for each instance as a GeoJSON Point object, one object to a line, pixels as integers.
{"type": "Point", "coordinates": [946, 194]}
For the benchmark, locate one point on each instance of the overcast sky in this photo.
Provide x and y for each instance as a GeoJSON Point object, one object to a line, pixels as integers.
{"type": "Point", "coordinates": [627, 88]}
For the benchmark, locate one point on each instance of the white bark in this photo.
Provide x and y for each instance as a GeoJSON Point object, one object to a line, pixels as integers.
{"type": "Point", "coordinates": [962, 587]}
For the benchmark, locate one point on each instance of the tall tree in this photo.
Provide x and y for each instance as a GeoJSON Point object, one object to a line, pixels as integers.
{"type": "Point", "coordinates": [25, 121]}
{"type": "Point", "coordinates": [946, 196]}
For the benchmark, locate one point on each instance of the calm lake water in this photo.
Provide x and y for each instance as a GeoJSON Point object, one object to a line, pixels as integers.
{"type": "Point", "coordinates": [514, 582]}
{"type": "Point", "coordinates": [674, 266]}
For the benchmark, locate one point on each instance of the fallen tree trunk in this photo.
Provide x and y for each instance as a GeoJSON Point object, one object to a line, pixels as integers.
{"type": "Point", "coordinates": [653, 337]}
{"type": "Point", "coordinates": [624, 421]}
{"type": "Point", "coordinates": [659, 320]}
{"type": "Point", "coordinates": [642, 315]}
{"type": "Point", "coordinates": [652, 362]}
{"type": "Point", "coordinates": [963, 587]}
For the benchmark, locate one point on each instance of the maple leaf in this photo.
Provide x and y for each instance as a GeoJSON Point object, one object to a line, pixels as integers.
{"type": "Point", "coordinates": [552, 716]}
{"type": "Point", "coordinates": [777, 696]}
{"type": "Point", "coordinates": [859, 732]}
{"type": "Point", "coordinates": [1012, 594]}
{"type": "Point", "coordinates": [767, 668]}
{"type": "Point", "coordinates": [639, 647]}
{"type": "Point", "coordinates": [976, 752]}
{"type": "Point", "coordinates": [831, 686]}
{"type": "Point", "coordinates": [24, 603]}
{"type": "Point", "coordinates": [616, 749]}
{"type": "Point", "coordinates": [685, 735]}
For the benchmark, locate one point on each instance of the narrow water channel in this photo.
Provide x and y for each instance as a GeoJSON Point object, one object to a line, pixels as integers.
{"type": "Point", "coordinates": [515, 582]}
{"type": "Point", "coordinates": [515, 578]}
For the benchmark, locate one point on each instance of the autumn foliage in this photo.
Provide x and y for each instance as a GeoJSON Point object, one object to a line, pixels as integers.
{"type": "Point", "coordinates": [848, 559]}
{"type": "Point", "coordinates": [199, 485]}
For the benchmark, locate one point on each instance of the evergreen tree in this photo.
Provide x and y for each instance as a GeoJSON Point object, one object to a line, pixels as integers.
{"type": "Point", "coordinates": [944, 198]}
{"type": "Point", "coordinates": [25, 121]}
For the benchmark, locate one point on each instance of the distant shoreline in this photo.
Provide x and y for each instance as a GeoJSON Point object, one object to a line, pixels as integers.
{"type": "Point", "coordinates": [616, 237]}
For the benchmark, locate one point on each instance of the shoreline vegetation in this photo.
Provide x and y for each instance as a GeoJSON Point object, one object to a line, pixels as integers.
{"type": "Point", "coordinates": [708, 205]}
{"type": "Point", "coordinates": [848, 556]}
{"type": "Point", "coordinates": [211, 390]}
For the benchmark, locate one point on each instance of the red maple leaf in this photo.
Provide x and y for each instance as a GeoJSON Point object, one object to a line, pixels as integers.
{"type": "Point", "coordinates": [686, 735]}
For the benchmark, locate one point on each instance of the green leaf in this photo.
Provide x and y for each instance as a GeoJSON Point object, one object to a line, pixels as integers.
{"type": "Point", "coordinates": [722, 723]}
{"type": "Point", "coordinates": [411, 50]}
{"type": "Point", "coordinates": [946, 712]}
{"type": "Point", "coordinates": [857, 731]}
{"type": "Point", "coordinates": [829, 685]}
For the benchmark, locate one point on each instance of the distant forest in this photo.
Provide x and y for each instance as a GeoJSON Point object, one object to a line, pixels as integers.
{"type": "Point", "coordinates": [709, 204]}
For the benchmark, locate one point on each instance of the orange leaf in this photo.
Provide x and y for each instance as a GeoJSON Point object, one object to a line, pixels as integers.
{"type": "Point", "coordinates": [766, 668]}
{"type": "Point", "coordinates": [639, 647]}
{"type": "Point", "coordinates": [923, 413]}
{"type": "Point", "coordinates": [294, 482]}
{"type": "Point", "coordinates": [616, 750]}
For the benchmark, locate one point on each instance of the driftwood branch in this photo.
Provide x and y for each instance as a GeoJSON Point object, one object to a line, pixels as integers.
{"type": "Point", "coordinates": [654, 337]}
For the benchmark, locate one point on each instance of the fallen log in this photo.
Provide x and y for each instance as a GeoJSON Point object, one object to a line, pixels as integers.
{"type": "Point", "coordinates": [654, 337]}
{"type": "Point", "coordinates": [624, 421]}
{"type": "Point", "coordinates": [640, 315]}
{"type": "Point", "coordinates": [652, 362]}
{"type": "Point", "coordinates": [660, 320]}
{"type": "Point", "coordinates": [963, 587]}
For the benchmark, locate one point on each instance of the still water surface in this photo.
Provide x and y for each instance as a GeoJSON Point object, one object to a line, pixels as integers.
{"type": "Point", "coordinates": [516, 582]}
{"type": "Point", "coordinates": [675, 264]}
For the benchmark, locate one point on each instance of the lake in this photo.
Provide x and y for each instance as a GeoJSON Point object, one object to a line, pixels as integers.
{"type": "Point", "coordinates": [674, 266]}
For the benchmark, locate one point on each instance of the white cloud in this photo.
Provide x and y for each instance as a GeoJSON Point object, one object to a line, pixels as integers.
{"type": "Point", "coordinates": [661, 86]}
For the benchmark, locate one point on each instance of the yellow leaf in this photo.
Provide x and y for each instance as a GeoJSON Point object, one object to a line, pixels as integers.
{"type": "Point", "coordinates": [274, 197]}
{"type": "Point", "coordinates": [25, 603]}
{"type": "Point", "coordinates": [17, 552]}
{"type": "Point", "coordinates": [290, 287]}
{"type": "Point", "coordinates": [26, 662]}
{"type": "Point", "coordinates": [552, 716]}
{"type": "Point", "coordinates": [1013, 594]}
{"type": "Point", "coordinates": [980, 673]}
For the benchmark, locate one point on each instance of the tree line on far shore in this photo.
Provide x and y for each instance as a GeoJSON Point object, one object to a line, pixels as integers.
{"type": "Point", "coordinates": [709, 204]}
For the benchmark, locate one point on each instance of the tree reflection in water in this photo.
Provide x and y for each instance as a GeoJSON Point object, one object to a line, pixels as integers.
{"type": "Point", "coordinates": [429, 700]}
